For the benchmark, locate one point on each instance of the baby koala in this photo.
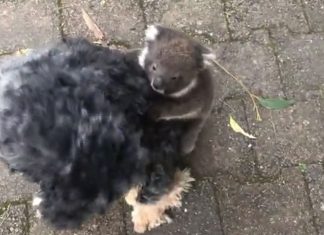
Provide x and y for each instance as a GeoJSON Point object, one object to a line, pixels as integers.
{"type": "Point", "coordinates": [178, 70]}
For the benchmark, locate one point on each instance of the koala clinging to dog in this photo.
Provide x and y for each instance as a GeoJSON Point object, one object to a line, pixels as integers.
{"type": "Point", "coordinates": [178, 70]}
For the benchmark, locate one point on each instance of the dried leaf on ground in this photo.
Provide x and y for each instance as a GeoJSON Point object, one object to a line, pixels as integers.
{"type": "Point", "coordinates": [99, 35]}
{"type": "Point", "coordinates": [275, 103]}
{"type": "Point", "coordinates": [237, 128]}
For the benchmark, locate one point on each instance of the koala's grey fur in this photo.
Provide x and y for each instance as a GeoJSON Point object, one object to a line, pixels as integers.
{"type": "Point", "coordinates": [178, 69]}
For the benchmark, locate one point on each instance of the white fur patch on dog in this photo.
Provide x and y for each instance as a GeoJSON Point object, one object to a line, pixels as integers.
{"type": "Point", "coordinates": [38, 214]}
{"type": "Point", "coordinates": [37, 201]}
{"type": "Point", "coordinates": [11, 80]}
{"type": "Point", "coordinates": [142, 56]}
{"type": "Point", "coordinates": [151, 33]}
{"type": "Point", "coordinates": [185, 90]}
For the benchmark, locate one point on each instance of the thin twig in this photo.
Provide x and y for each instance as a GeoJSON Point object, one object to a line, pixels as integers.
{"type": "Point", "coordinates": [273, 124]}
{"type": "Point", "coordinates": [232, 109]}
{"type": "Point", "coordinates": [99, 35]}
{"type": "Point", "coordinates": [252, 96]}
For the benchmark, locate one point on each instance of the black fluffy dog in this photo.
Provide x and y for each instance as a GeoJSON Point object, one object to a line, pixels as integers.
{"type": "Point", "coordinates": [72, 118]}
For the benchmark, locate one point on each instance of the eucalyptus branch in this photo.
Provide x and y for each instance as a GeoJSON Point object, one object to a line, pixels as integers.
{"type": "Point", "coordinates": [239, 81]}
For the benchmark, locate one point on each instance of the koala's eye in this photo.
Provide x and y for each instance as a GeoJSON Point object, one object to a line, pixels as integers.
{"type": "Point", "coordinates": [153, 67]}
{"type": "Point", "coordinates": [175, 78]}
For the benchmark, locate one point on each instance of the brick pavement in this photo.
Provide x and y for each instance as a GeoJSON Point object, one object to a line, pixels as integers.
{"type": "Point", "coordinates": [273, 185]}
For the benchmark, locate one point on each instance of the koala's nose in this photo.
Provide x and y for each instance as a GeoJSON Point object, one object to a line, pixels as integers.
{"type": "Point", "coordinates": [157, 83]}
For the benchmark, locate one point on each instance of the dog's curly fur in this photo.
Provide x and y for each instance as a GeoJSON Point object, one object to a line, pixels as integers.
{"type": "Point", "coordinates": [72, 118]}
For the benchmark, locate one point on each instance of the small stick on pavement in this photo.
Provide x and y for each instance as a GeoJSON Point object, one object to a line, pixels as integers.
{"type": "Point", "coordinates": [93, 27]}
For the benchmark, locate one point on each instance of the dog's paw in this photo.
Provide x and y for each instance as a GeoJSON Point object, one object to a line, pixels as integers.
{"type": "Point", "coordinates": [148, 216]}
{"type": "Point", "coordinates": [146, 222]}
{"type": "Point", "coordinates": [164, 219]}
{"type": "Point", "coordinates": [37, 201]}
{"type": "Point", "coordinates": [139, 220]}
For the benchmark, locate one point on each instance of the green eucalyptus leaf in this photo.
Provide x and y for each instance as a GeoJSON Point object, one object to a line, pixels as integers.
{"type": "Point", "coordinates": [275, 103]}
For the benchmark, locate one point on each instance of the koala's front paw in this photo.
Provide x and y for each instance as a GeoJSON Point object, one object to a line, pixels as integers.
{"type": "Point", "coordinates": [154, 114]}
{"type": "Point", "coordinates": [188, 144]}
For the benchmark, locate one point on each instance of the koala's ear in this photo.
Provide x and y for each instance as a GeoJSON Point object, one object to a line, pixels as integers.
{"type": "Point", "coordinates": [207, 55]}
{"type": "Point", "coordinates": [152, 32]}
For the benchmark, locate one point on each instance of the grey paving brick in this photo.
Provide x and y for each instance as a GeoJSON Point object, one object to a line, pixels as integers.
{"type": "Point", "coordinates": [13, 220]}
{"type": "Point", "coordinates": [288, 137]}
{"type": "Point", "coordinates": [197, 216]}
{"type": "Point", "coordinates": [243, 16]}
{"type": "Point", "coordinates": [26, 24]}
{"type": "Point", "coordinates": [119, 20]}
{"type": "Point", "coordinates": [300, 60]}
{"type": "Point", "coordinates": [281, 207]}
{"type": "Point", "coordinates": [13, 186]}
{"type": "Point", "coordinates": [253, 62]}
{"type": "Point", "coordinates": [39, 227]}
{"type": "Point", "coordinates": [315, 12]}
{"type": "Point", "coordinates": [219, 150]}
{"type": "Point", "coordinates": [203, 18]}
{"type": "Point", "coordinates": [111, 223]}
{"type": "Point", "coordinates": [270, 149]}
{"type": "Point", "coordinates": [315, 179]}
